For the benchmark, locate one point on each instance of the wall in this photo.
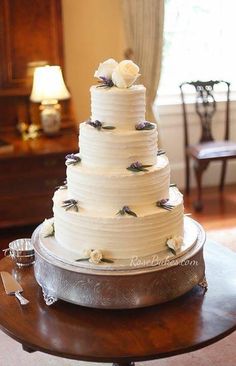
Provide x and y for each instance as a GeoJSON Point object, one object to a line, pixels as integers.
{"type": "Point", "coordinates": [171, 138]}
{"type": "Point", "coordinates": [93, 32]}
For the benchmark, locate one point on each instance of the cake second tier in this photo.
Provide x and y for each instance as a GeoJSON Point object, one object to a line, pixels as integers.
{"type": "Point", "coordinates": [117, 148]}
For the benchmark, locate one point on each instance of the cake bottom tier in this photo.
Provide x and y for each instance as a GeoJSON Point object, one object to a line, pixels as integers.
{"type": "Point", "coordinates": [118, 237]}
{"type": "Point", "coordinates": [115, 289]}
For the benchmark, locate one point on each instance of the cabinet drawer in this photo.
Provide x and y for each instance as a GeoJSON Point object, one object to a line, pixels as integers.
{"type": "Point", "coordinates": [24, 210]}
{"type": "Point", "coordinates": [34, 165]}
{"type": "Point", "coordinates": [31, 185]}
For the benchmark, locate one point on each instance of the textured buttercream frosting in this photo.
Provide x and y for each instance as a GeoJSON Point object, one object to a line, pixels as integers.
{"type": "Point", "coordinates": [107, 190]}
{"type": "Point", "coordinates": [100, 184]}
{"type": "Point", "coordinates": [122, 108]}
{"type": "Point", "coordinates": [118, 237]}
{"type": "Point", "coordinates": [117, 148]}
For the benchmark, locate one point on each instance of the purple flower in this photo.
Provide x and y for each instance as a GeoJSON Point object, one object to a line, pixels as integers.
{"type": "Point", "coordinates": [126, 210]}
{"type": "Point", "coordinates": [144, 126]}
{"type": "Point", "coordinates": [105, 82]}
{"type": "Point", "coordinates": [138, 167]}
{"type": "Point", "coordinates": [163, 203]}
{"type": "Point", "coordinates": [96, 124]}
{"type": "Point", "coordinates": [140, 126]}
{"type": "Point", "coordinates": [72, 159]}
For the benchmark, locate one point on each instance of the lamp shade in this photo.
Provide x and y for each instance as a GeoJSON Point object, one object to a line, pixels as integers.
{"type": "Point", "coordinates": [48, 84]}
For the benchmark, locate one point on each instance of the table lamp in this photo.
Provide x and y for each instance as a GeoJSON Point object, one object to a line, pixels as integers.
{"type": "Point", "coordinates": [48, 88]}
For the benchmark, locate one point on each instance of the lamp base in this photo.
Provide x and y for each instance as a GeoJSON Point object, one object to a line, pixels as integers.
{"type": "Point", "coordinates": [51, 118]}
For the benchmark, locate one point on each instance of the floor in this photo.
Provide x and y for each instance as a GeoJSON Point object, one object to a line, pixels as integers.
{"type": "Point", "coordinates": [219, 213]}
{"type": "Point", "coordinates": [219, 208]}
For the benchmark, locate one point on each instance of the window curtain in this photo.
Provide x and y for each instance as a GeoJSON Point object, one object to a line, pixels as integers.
{"type": "Point", "coordinates": [143, 21]}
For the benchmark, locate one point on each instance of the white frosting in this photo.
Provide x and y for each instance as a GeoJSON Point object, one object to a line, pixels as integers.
{"type": "Point", "coordinates": [122, 108]}
{"type": "Point", "coordinates": [103, 186]}
{"type": "Point", "coordinates": [117, 148]}
{"type": "Point", "coordinates": [118, 236]}
{"type": "Point", "coordinates": [106, 191]}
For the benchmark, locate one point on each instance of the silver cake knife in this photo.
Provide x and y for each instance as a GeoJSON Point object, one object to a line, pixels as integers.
{"type": "Point", "coordinates": [12, 287]}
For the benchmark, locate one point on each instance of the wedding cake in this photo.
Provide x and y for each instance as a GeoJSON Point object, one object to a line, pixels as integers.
{"type": "Point", "coordinates": [117, 201]}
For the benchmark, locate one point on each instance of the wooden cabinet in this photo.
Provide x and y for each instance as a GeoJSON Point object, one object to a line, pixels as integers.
{"type": "Point", "coordinates": [30, 31]}
{"type": "Point", "coordinates": [29, 176]}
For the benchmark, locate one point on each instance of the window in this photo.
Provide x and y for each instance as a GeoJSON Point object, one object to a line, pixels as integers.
{"type": "Point", "coordinates": [199, 43]}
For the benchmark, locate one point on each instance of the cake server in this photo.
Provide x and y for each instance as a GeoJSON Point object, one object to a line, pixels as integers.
{"type": "Point", "coordinates": [12, 287]}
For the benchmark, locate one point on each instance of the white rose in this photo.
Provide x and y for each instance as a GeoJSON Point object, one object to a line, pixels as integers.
{"type": "Point", "coordinates": [95, 256]}
{"type": "Point", "coordinates": [125, 74]}
{"type": "Point", "coordinates": [105, 69]}
{"type": "Point", "coordinates": [87, 253]}
{"type": "Point", "coordinates": [47, 228]}
{"type": "Point", "coordinates": [175, 243]}
{"type": "Point", "coordinates": [179, 241]}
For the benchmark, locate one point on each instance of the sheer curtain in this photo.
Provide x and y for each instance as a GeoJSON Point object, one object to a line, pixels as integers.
{"type": "Point", "coordinates": [143, 20]}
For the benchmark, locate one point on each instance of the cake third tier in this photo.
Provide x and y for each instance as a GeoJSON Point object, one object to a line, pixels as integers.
{"type": "Point", "coordinates": [104, 192]}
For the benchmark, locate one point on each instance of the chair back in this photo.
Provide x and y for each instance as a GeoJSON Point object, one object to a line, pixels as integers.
{"type": "Point", "coordinates": [205, 107]}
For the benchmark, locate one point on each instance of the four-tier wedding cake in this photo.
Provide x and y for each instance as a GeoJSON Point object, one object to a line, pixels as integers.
{"type": "Point", "coordinates": [117, 201]}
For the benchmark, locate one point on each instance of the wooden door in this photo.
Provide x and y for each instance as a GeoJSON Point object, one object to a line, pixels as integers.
{"type": "Point", "coordinates": [30, 31]}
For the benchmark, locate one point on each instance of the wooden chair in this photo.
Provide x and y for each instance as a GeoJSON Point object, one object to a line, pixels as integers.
{"type": "Point", "coordinates": [207, 149]}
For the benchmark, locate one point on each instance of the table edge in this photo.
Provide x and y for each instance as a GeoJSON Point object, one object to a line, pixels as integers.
{"type": "Point", "coordinates": [109, 359]}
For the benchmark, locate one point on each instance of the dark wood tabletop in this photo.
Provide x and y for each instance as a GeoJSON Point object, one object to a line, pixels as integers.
{"type": "Point", "coordinates": [190, 322]}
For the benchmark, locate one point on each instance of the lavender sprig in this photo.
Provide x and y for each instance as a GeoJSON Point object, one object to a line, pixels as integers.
{"type": "Point", "coordinates": [108, 127]}
{"type": "Point", "coordinates": [144, 126]}
{"type": "Point", "coordinates": [64, 186]}
{"type": "Point", "coordinates": [161, 152]}
{"type": "Point", "coordinates": [138, 167]}
{"type": "Point", "coordinates": [126, 210]}
{"type": "Point", "coordinates": [164, 204]}
{"type": "Point", "coordinates": [71, 203]}
{"type": "Point", "coordinates": [98, 125]}
{"type": "Point", "coordinates": [72, 159]}
{"type": "Point", "coordinates": [105, 82]}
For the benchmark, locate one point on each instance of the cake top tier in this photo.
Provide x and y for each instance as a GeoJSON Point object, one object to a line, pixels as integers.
{"type": "Point", "coordinates": [115, 100]}
{"type": "Point", "coordinates": [120, 108]}
{"type": "Point", "coordinates": [122, 75]}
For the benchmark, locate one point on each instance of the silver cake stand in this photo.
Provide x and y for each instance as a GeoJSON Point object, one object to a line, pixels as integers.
{"type": "Point", "coordinates": [120, 286]}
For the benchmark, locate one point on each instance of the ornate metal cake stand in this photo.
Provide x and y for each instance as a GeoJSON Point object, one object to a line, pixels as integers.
{"type": "Point", "coordinates": [124, 288]}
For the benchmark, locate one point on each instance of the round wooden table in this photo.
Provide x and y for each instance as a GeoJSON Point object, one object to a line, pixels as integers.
{"type": "Point", "coordinates": [188, 323]}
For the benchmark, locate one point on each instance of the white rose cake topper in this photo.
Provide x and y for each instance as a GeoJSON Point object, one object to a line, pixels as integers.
{"type": "Point", "coordinates": [122, 75]}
